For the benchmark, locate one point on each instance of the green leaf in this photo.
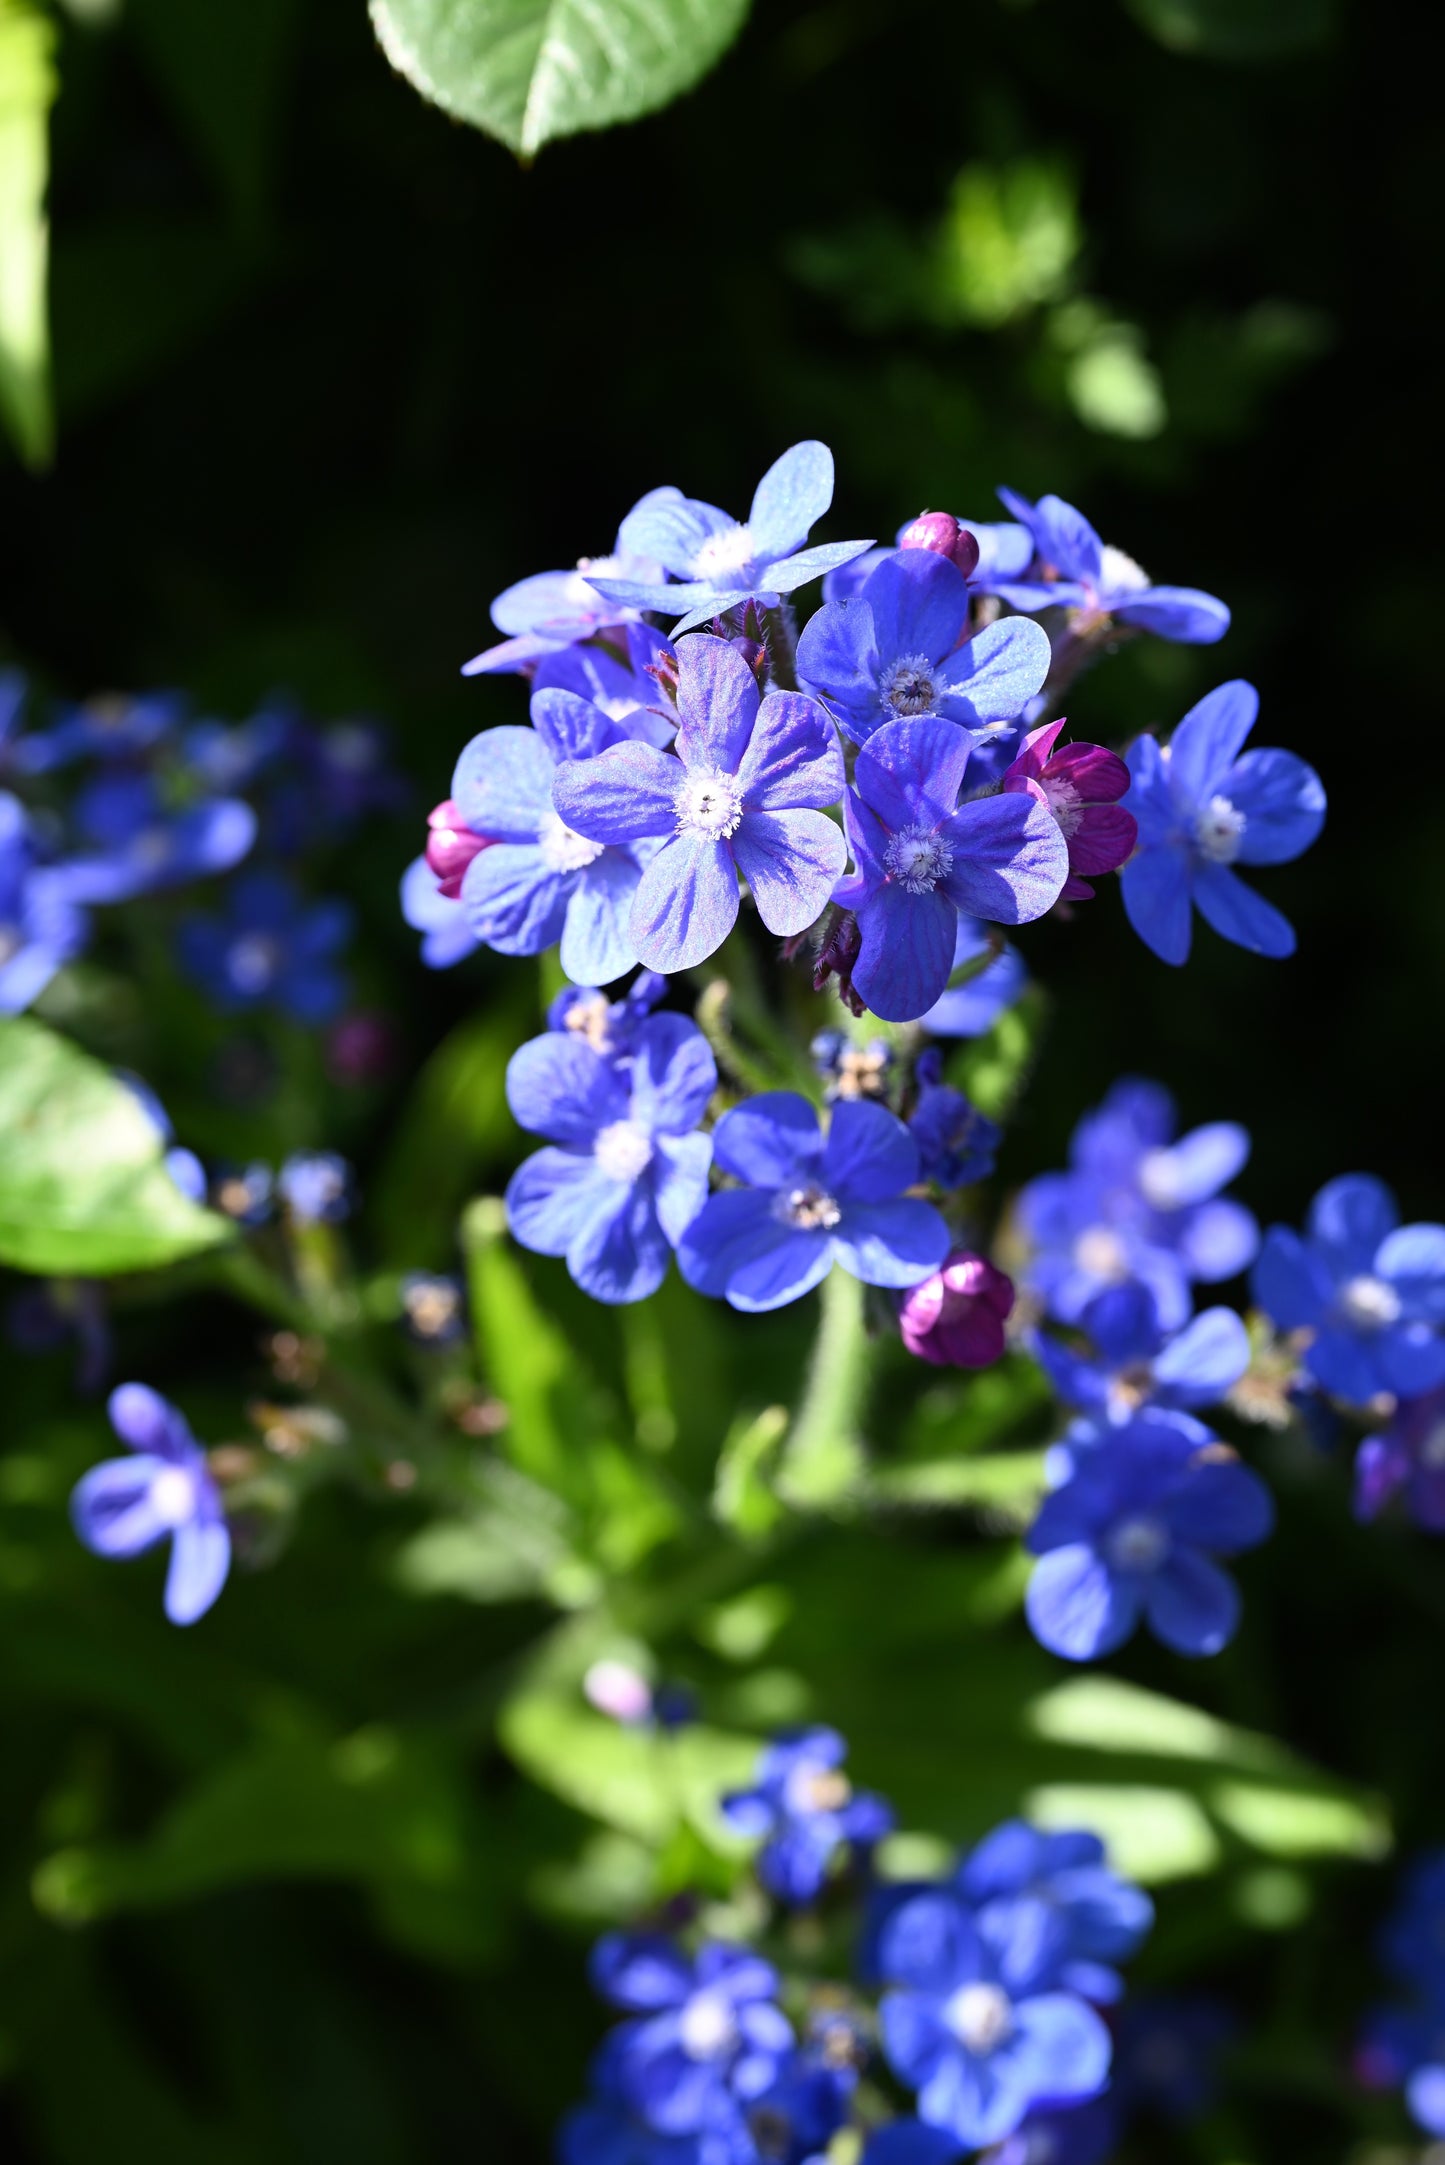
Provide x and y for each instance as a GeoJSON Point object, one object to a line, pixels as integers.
{"type": "Point", "coordinates": [531, 70]}
{"type": "Point", "coordinates": [83, 1191]}
{"type": "Point", "coordinates": [643, 1782]}
{"type": "Point", "coordinates": [27, 89]}
{"type": "Point", "coordinates": [1237, 29]}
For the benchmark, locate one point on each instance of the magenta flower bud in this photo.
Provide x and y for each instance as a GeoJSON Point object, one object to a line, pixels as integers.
{"type": "Point", "coordinates": [941, 532]}
{"type": "Point", "coordinates": [451, 846]}
{"type": "Point", "coordinates": [955, 1318]}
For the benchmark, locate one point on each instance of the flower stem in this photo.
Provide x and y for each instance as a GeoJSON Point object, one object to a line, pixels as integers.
{"type": "Point", "coordinates": [823, 1457]}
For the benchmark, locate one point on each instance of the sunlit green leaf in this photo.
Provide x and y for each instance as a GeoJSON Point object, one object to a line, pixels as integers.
{"type": "Point", "coordinates": [27, 87]}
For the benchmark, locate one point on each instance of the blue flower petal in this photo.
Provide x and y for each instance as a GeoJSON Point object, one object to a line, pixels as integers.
{"type": "Point", "coordinates": [626, 792]}
{"type": "Point", "coordinates": [717, 703]}
{"type": "Point", "coordinates": [1218, 1240]}
{"type": "Point", "coordinates": [559, 1087]}
{"type": "Point", "coordinates": [1123, 1322]}
{"type": "Point", "coordinates": [1208, 741]}
{"type": "Point", "coordinates": [513, 901]}
{"type": "Point", "coordinates": [1063, 2049]}
{"type": "Point", "coordinates": [1413, 1260]}
{"type": "Point", "coordinates": [909, 772]}
{"type": "Point", "coordinates": [111, 1509]}
{"type": "Point", "coordinates": [596, 931]}
{"type": "Point", "coordinates": [907, 950]}
{"type": "Point", "coordinates": [892, 1244]}
{"type": "Point", "coordinates": [791, 572]}
{"type": "Point", "coordinates": [771, 1141]}
{"type": "Point", "coordinates": [793, 759]}
{"type": "Point", "coordinates": [1237, 913]}
{"type": "Point", "coordinates": [200, 1560]}
{"type": "Point", "coordinates": [1175, 612]}
{"type": "Point", "coordinates": [673, 1074]}
{"type": "Point", "coordinates": [570, 726]}
{"type": "Point", "coordinates": [1191, 1604]}
{"type": "Point", "coordinates": [680, 1181]}
{"type": "Point", "coordinates": [686, 903]}
{"type": "Point", "coordinates": [621, 1253]}
{"type": "Point", "coordinates": [1077, 1607]}
{"type": "Point", "coordinates": [1010, 859]}
{"type": "Point", "coordinates": [920, 605]}
{"type": "Point", "coordinates": [148, 1422]}
{"type": "Point", "coordinates": [1156, 889]}
{"type": "Point", "coordinates": [1345, 1364]}
{"type": "Point", "coordinates": [553, 1197]}
{"type": "Point", "coordinates": [995, 674]}
{"type": "Point", "coordinates": [502, 784]}
{"type": "Point", "coordinates": [838, 658]}
{"type": "Point", "coordinates": [1148, 796]}
{"type": "Point", "coordinates": [1289, 1281]}
{"type": "Point", "coordinates": [1350, 1219]}
{"type": "Point", "coordinates": [1205, 1360]}
{"type": "Point", "coordinates": [1283, 802]}
{"type": "Point", "coordinates": [792, 496]}
{"type": "Point", "coordinates": [791, 862]}
{"type": "Point", "coordinates": [869, 1157]}
{"type": "Point", "coordinates": [732, 1228]}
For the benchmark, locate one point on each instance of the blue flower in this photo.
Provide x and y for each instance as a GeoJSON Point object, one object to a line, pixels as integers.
{"type": "Point", "coordinates": [316, 1187]}
{"type": "Point", "coordinates": [40, 927]}
{"type": "Point", "coordinates": [107, 729]}
{"type": "Point", "coordinates": [743, 794]}
{"type": "Point", "coordinates": [718, 561]}
{"type": "Point", "coordinates": [921, 858]}
{"type": "Point", "coordinates": [164, 1491]}
{"type": "Point", "coordinates": [973, 2022]}
{"type": "Point", "coordinates": [1136, 1362]}
{"type": "Point", "coordinates": [447, 935]}
{"type": "Point", "coordinates": [141, 846]}
{"type": "Point", "coordinates": [245, 1193]}
{"type": "Point", "coordinates": [992, 987]}
{"type": "Point", "coordinates": [226, 756]}
{"type": "Point", "coordinates": [1087, 2134]}
{"type": "Point", "coordinates": [1085, 1918]}
{"type": "Point", "coordinates": [626, 1172]}
{"type": "Point", "coordinates": [1075, 570]}
{"type": "Point", "coordinates": [605, 2131]}
{"type": "Point", "coordinates": [553, 610]}
{"type": "Point", "coordinates": [626, 690]}
{"type": "Point", "coordinates": [804, 1809]}
{"type": "Point", "coordinates": [707, 2040]}
{"type": "Point", "coordinates": [1203, 808]}
{"type": "Point", "coordinates": [795, 2119]}
{"type": "Point", "coordinates": [1136, 1204]}
{"type": "Point", "coordinates": [1407, 1457]}
{"type": "Point", "coordinates": [956, 1143]}
{"type": "Point", "coordinates": [1133, 1531]}
{"type": "Point", "coordinates": [542, 880]}
{"type": "Point", "coordinates": [1005, 551]}
{"type": "Point", "coordinates": [609, 1026]}
{"type": "Point", "coordinates": [901, 648]}
{"type": "Point", "coordinates": [1412, 1945]}
{"type": "Point", "coordinates": [807, 1204]}
{"type": "Point", "coordinates": [272, 948]}
{"type": "Point", "coordinates": [906, 2141]}
{"type": "Point", "coordinates": [1370, 1291]}
{"type": "Point", "coordinates": [1405, 2048]}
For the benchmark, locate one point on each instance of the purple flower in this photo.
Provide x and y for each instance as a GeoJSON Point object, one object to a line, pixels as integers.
{"type": "Point", "coordinates": [955, 1319]}
{"type": "Point", "coordinates": [553, 610]}
{"type": "Point", "coordinates": [626, 1172]}
{"type": "Point", "coordinates": [1370, 1292]}
{"type": "Point", "coordinates": [447, 936]}
{"type": "Point", "coordinates": [271, 948]}
{"type": "Point", "coordinates": [1406, 1458]}
{"type": "Point", "coordinates": [996, 980]}
{"type": "Point", "coordinates": [140, 846]}
{"type": "Point", "coordinates": [541, 880]}
{"type": "Point", "coordinates": [1081, 785]}
{"type": "Point", "coordinates": [1202, 808]}
{"type": "Point", "coordinates": [901, 648]}
{"type": "Point", "coordinates": [808, 1203]}
{"type": "Point", "coordinates": [706, 2040]}
{"type": "Point", "coordinates": [1133, 1531]}
{"type": "Point", "coordinates": [719, 561]}
{"type": "Point", "coordinates": [164, 1491]}
{"type": "Point", "coordinates": [804, 1809]}
{"type": "Point", "coordinates": [741, 795]}
{"type": "Point", "coordinates": [1135, 1362]}
{"type": "Point", "coordinates": [1073, 569]}
{"type": "Point", "coordinates": [921, 858]}
{"type": "Point", "coordinates": [40, 927]}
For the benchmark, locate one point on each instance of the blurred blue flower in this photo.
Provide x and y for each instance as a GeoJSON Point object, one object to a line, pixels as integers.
{"type": "Point", "coordinates": [901, 648]}
{"type": "Point", "coordinates": [973, 2022]}
{"type": "Point", "coordinates": [139, 845]}
{"type": "Point", "coordinates": [609, 1026]}
{"type": "Point", "coordinates": [1202, 808]}
{"type": "Point", "coordinates": [1074, 569]}
{"type": "Point", "coordinates": [1137, 1204]}
{"type": "Point", "coordinates": [226, 756]}
{"type": "Point", "coordinates": [165, 1491]}
{"type": "Point", "coordinates": [271, 948]}
{"type": "Point", "coordinates": [957, 1144]}
{"type": "Point", "coordinates": [906, 2141]}
{"type": "Point", "coordinates": [316, 1187]}
{"type": "Point", "coordinates": [718, 561]}
{"type": "Point", "coordinates": [114, 728]}
{"type": "Point", "coordinates": [796, 2117]}
{"type": "Point", "coordinates": [972, 1008]}
{"type": "Point", "coordinates": [1133, 1531]}
{"type": "Point", "coordinates": [553, 610]}
{"type": "Point", "coordinates": [1058, 1886]}
{"type": "Point", "coordinates": [1086, 2134]}
{"type": "Point", "coordinates": [1135, 1362]}
{"type": "Point", "coordinates": [804, 1810]}
{"type": "Point", "coordinates": [848, 1069]}
{"type": "Point", "coordinates": [808, 1202]}
{"type": "Point", "coordinates": [625, 1171]}
{"type": "Point", "coordinates": [40, 927]}
{"type": "Point", "coordinates": [1370, 1292]}
{"type": "Point", "coordinates": [1406, 1458]}
{"type": "Point", "coordinates": [706, 2041]}
{"type": "Point", "coordinates": [1404, 2048]}
{"type": "Point", "coordinates": [447, 935]}
{"type": "Point", "coordinates": [741, 795]}
{"type": "Point", "coordinates": [921, 858]}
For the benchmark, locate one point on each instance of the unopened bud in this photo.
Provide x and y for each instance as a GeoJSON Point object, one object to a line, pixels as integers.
{"type": "Point", "coordinates": [451, 846]}
{"type": "Point", "coordinates": [955, 1319]}
{"type": "Point", "coordinates": [941, 532]}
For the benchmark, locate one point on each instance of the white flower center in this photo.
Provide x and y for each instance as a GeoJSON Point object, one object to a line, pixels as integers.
{"type": "Point", "coordinates": [910, 686]}
{"type": "Point", "coordinates": [1100, 1253]}
{"type": "Point", "coordinates": [623, 1151]}
{"type": "Point", "coordinates": [253, 961]}
{"type": "Point", "coordinates": [709, 802]}
{"type": "Point", "coordinates": [810, 1208]}
{"type": "Point", "coordinates": [1138, 1545]}
{"type": "Point", "coordinates": [1219, 831]}
{"type": "Point", "coordinates": [1432, 1450]}
{"type": "Point", "coordinates": [818, 1789]}
{"type": "Point", "coordinates": [591, 1020]}
{"type": "Point", "coordinates": [707, 2028]}
{"type": "Point", "coordinates": [980, 2017]}
{"type": "Point", "coordinates": [173, 1496]}
{"type": "Point", "coordinates": [562, 848]}
{"type": "Point", "coordinates": [725, 558]}
{"type": "Point", "coordinates": [1119, 574]}
{"type": "Point", "coordinates": [1064, 803]}
{"type": "Point", "coordinates": [1369, 1303]}
{"type": "Point", "coordinates": [918, 858]}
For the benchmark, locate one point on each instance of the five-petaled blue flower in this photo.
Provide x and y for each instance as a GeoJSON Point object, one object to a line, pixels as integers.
{"type": "Point", "coordinates": [1203, 808]}
{"type": "Point", "coordinates": [1086, 1918]}
{"type": "Point", "coordinates": [164, 1490]}
{"type": "Point", "coordinates": [626, 1171]}
{"type": "Point", "coordinates": [1074, 569]}
{"type": "Point", "coordinates": [742, 793]}
{"type": "Point", "coordinates": [706, 2040]}
{"type": "Point", "coordinates": [1133, 1531]}
{"type": "Point", "coordinates": [718, 561]}
{"type": "Point", "coordinates": [974, 2022]}
{"type": "Point", "coordinates": [957, 1144]}
{"type": "Point", "coordinates": [1137, 1204]}
{"type": "Point", "coordinates": [804, 1809]}
{"type": "Point", "coordinates": [808, 1203]}
{"type": "Point", "coordinates": [1370, 1291]}
{"type": "Point", "coordinates": [40, 927]}
{"type": "Point", "coordinates": [553, 610]}
{"type": "Point", "coordinates": [921, 858]}
{"type": "Point", "coordinates": [901, 648]}
{"type": "Point", "coordinates": [139, 845]}
{"type": "Point", "coordinates": [542, 880]}
{"type": "Point", "coordinates": [271, 948]}
{"type": "Point", "coordinates": [1135, 1362]}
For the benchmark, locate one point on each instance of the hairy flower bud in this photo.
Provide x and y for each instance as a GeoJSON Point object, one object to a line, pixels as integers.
{"type": "Point", "coordinates": [955, 1319]}
{"type": "Point", "coordinates": [451, 845]}
{"type": "Point", "coordinates": [941, 532]}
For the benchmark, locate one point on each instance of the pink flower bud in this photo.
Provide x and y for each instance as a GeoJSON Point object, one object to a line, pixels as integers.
{"type": "Point", "coordinates": [451, 846]}
{"type": "Point", "coordinates": [955, 1318]}
{"type": "Point", "coordinates": [941, 532]}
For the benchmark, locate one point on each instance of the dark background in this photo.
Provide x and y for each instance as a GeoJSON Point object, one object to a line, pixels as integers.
{"type": "Point", "coordinates": [333, 370]}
